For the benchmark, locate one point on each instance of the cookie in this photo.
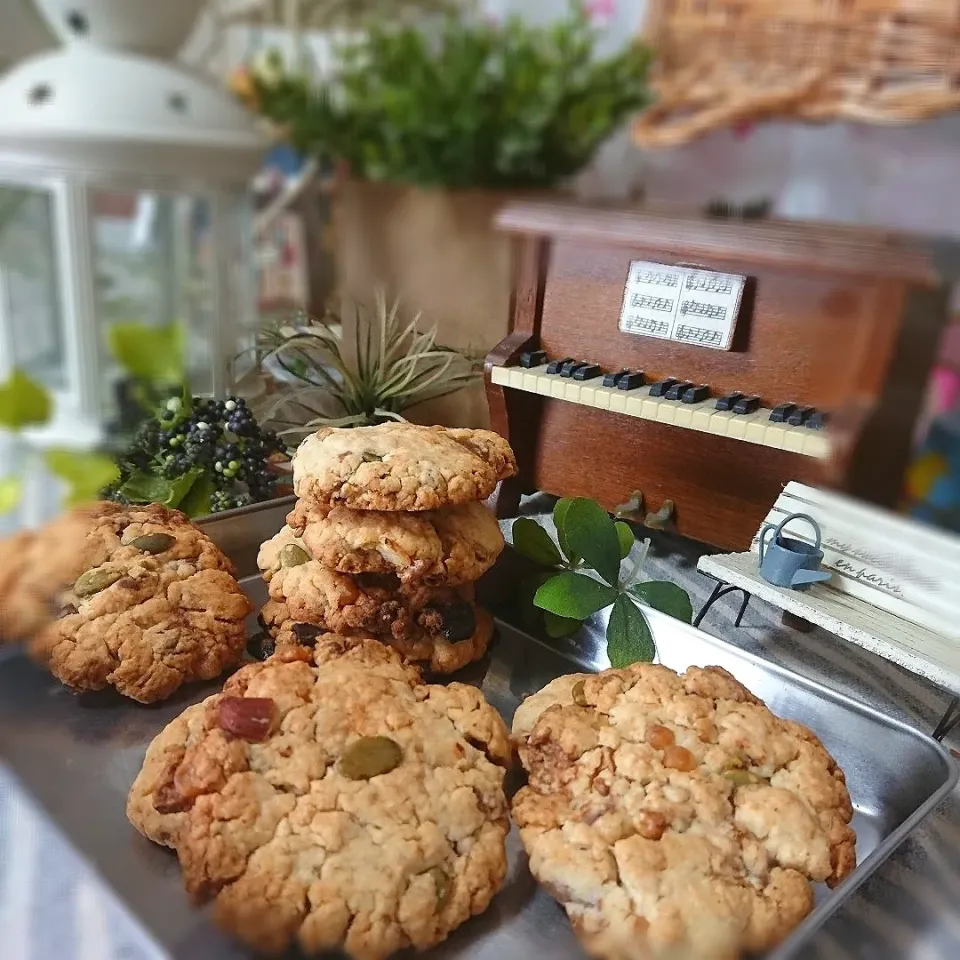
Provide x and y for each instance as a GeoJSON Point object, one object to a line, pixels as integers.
{"type": "Point", "coordinates": [452, 546]}
{"type": "Point", "coordinates": [368, 603]}
{"type": "Point", "coordinates": [157, 605]}
{"type": "Point", "coordinates": [676, 815]}
{"type": "Point", "coordinates": [400, 466]}
{"type": "Point", "coordinates": [330, 799]}
{"type": "Point", "coordinates": [35, 566]}
{"type": "Point", "coordinates": [425, 648]}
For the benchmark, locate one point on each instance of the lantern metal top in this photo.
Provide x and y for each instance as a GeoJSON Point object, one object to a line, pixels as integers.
{"type": "Point", "coordinates": [95, 108]}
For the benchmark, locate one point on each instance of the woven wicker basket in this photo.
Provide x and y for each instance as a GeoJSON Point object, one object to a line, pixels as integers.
{"type": "Point", "coordinates": [727, 61]}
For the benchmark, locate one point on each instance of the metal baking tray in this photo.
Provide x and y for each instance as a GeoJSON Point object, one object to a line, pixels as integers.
{"type": "Point", "coordinates": [77, 756]}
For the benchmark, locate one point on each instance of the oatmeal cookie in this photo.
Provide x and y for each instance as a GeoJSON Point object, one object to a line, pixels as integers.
{"type": "Point", "coordinates": [427, 649]}
{"type": "Point", "coordinates": [157, 605]}
{"type": "Point", "coordinates": [369, 603]}
{"type": "Point", "coordinates": [400, 466]}
{"type": "Point", "coordinates": [35, 566]}
{"type": "Point", "coordinates": [676, 815]}
{"type": "Point", "coordinates": [329, 798]}
{"type": "Point", "coordinates": [452, 546]}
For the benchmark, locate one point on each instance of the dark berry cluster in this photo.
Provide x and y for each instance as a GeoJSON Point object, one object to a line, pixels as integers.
{"type": "Point", "coordinates": [220, 436]}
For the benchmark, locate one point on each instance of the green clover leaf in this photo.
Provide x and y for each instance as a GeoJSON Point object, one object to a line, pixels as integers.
{"type": "Point", "coordinates": [559, 518]}
{"type": "Point", "coordinates": [629, 639]}
{"type": "Point", "coordinates": [592, 535]}
{"type": "Point", "coordinates": [574, 595]}
{"type": "Point", "coordinates": [666, 597]}
{"type": "Point", "coordinates": [533, 542]}
{"type": "Point", "coordinates": [153, 354]}
{"type": "Point", "coordinates": [626, 538]}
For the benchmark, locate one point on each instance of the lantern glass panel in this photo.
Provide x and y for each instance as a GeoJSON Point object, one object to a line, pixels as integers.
{"type": "Point", "coordinates": [31, 325]}
{"type": "Point", "coordinates": [154, 266]}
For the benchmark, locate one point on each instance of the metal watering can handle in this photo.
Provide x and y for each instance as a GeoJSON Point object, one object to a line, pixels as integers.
{"type": "Point", "coordinates": [762, 545]}
{"type": "Point", "coordinates": [797, 516]}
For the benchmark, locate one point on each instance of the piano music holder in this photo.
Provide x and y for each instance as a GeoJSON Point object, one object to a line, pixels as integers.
{"type": "Point", "coordinates": [627, 329]}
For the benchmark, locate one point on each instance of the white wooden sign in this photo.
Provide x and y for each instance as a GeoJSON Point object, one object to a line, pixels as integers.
{"type": "Point", "coordinates": [685, 304]}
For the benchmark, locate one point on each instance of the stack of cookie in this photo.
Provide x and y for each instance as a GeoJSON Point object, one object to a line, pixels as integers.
{"type": "Point", "coordinates": [387, 539]}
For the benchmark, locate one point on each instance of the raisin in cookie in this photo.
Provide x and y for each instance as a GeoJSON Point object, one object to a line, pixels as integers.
{"type": "Point", "coordinates": [452, 546]}
{"type": "Point", "coordinates": [676, 815]}
{"type": "Point", "coordinates": [329, 798]}
{"type": "Point", "coordinates": [400, 466]}
{"type": "Point", "coordinates": [156, 605]}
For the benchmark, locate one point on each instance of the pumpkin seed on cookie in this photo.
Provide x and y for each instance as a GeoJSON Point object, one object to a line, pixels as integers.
{"type": "Point", "coordinates": [293, 555]}
{"type": "Point", "coordinates": [93, 581]}
{"type": "Point", "coordinates": [369, 757]}
{"type": "Point", "coordinates": [152, 543]}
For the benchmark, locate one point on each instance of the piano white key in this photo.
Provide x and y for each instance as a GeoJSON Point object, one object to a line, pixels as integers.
{"type": "Point", "coordinates": [719, 424]}
{"type": "Point", "coordinates": [572, 391]}
{"type": "Point", "coordinates": [544, 384]}
{"type": "Point", "coordinates": [602, 397]}
{"type": "Point", "coordinates": [531, 377]}
{"type": "Point", "coordinates": [635, 402]}
{"type": "Point", "coordinates": [685, 412]}
{"type": "Point", "coordinates": [588, 396]}
{"type": "Point", "coordinates": [737, 424]}
{"type": "Point", "coordinates": [793, 441]}
{"type": "Point", "coordinates": [618, 401]}
{"type": "Point", "coordinates": [756, 430]}
{"type": "Point", "coordinates": [649, 406]}
{"type": "Point", "coordinates": [516, 378]}
{"type": "Point", "coordinates": [557, 386]}
{"type": "Point", "coordinates": [501, 375]}
{"type": "Point", "coordinates": [776, 434]}
{"type": "Point", "coordinates": [702, 415]}
{"type": "Point", "coordinates": [667, 410]}
{"type": "Point", "coordinates": [816, 445]}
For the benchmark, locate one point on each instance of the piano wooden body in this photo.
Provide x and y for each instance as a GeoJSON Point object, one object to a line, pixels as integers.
{"type": "Point", "coordinates": [835, 328]}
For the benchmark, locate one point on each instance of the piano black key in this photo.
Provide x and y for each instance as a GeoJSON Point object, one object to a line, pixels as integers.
{"type": "Point", "coordinates": [696, 394]}
{"type": "Point", "coordinates": [800, 416]}
{"type": "Point", "coordinates": [660, 388]}
{"type": "Point", "coordinates": [533, 358]}
{"type": "Point", "coordinates": [630, 381]}
{"type": "Point", "coordinates": [818, 421]}
{"type": "Point", "coordinates": [678, 390]}
{"type": "Point", "coordinates": [555, 366]}
{"type": "Point", "coordinates": [610, 379]}
{"type": "Point", "coordinates": [747, 404]}
{"type": "Point", "coordinates": [729, 401]}
{"type": "Point", "coordinates": [587, 372]}
{"type": "Point", "coordinates": [570, 367]}
{"type": "Point", "coordinates": [781, 413]}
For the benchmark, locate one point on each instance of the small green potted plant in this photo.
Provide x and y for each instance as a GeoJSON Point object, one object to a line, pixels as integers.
{"type": "Point", "coordinates": [438, 123]}
{"type": "Point", "coordinates": [582, 574]}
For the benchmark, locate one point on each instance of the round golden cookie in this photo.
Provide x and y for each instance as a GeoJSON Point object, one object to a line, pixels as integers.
{"type": "Point", "coordinates": [155, 604]}
{"type": "Point", "coordinates": [374, 604]}
{"type": "Point", "coordinates": [676, 815]}
{"type": "Point", "coordinates": [330, 799]}
{"type": "Point", "coordinates": [400, 466]}
{"type": "Point", "coordinates": [452, 546]}
{"type": "Point", "coordinates": [428, 649]}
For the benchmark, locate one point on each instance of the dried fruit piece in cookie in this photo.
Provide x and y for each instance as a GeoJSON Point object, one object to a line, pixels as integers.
{"type": "Point", "coordinates": [400, 466]}
{"type": "Point", "coordinates": [154, 604]}
{"type": "Point", "coordinates": [372, 818]}
{"type": "Point", "coordinates": [676, 815]}
{"type": "Point", "coordinates": [452, 546]}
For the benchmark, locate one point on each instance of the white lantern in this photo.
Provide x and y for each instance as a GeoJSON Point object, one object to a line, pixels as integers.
{"type": "Point", "coordinates": [123, 198]}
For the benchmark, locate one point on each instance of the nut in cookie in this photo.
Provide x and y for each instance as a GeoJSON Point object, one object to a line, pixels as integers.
{"type": "Point", "coordinates": [676, 815]}
{"type": "Point", "coordinates": [330, 799]}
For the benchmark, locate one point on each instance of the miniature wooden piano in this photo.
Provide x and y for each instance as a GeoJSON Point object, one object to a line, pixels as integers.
{"type": "Point", "coordinates": [708, 362]}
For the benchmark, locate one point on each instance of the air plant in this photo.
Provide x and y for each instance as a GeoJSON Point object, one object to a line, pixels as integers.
{"type": "Point", "coordinates": [395, 366]}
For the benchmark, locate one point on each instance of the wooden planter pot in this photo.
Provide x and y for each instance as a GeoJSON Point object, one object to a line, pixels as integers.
{"type": "Point", "coordinates": [439, 250]}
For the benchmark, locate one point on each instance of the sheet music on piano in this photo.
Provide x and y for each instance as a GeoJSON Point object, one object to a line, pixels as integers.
{"type": "Point", "coordinates": [685, 304]}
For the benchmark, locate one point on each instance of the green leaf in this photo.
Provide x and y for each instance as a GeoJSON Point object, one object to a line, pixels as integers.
{"type": "Point", "coordinates": [592, 535]}
{"type": "Point", "coordinates": [85, 473]}
{"type": "Point", "coordinates": [196, 501]}
{"type": "Point", "coordinates": [153, 354]}
{"type": "Point", "coordinates": [23, 402]}
{"type": "Point", "coordinates": [666, 597]}
{"type": "Point", "coordinates": [11, 490]}
{"type": "Point", "coordinates": [626, 538]}
{"type": "Point", "coordinates": [559, 518]}
{"type": "Point", "coordinates": [149, 488]}
{"type": "Point", "coordinates": [629, 639]}
{"type": "Point", "coordinates": [533, 542]}
{"type": "Point", "coordinates": [557, 627]}
{"type": "Point", "coordinates": [574, 595]}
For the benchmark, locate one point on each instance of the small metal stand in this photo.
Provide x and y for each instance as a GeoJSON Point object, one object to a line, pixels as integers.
{"type": "Point", "coordinates": [720, 591]}
{"type": "Point", "coordinates": [948, 721]}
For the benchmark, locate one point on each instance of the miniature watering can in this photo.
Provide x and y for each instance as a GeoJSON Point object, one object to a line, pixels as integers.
{"type": "Point", "coordinates": [788, 562]}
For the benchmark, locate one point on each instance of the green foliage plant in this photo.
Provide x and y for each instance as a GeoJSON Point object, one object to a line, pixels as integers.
{"type": "Point", "coordinates": [395, 366]}
{"type": "Point", "coordinates": [582, 576]}
{"type": "Point", "coordinates": [459, 102]}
